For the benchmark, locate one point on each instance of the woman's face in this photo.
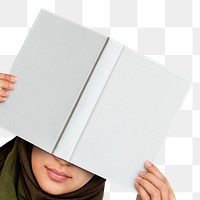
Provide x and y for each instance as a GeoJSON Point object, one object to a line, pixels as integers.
{"type": "Point", "coordinates": [56, 176]}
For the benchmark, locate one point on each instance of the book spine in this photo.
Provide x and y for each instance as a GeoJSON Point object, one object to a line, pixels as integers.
{"type": "Point", "coordinates": [74, 130]}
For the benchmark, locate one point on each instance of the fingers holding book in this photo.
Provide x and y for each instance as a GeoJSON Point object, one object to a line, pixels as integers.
{"type": "Point", "coordinates": [6, 83]}
{"type": "Point", "coordinates": [152, 184]}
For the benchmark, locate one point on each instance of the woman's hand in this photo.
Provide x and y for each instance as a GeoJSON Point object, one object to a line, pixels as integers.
{"type": "Point", "coordinates": [152, 185]}
{"type": "Point", "coordinates": [6, 83]}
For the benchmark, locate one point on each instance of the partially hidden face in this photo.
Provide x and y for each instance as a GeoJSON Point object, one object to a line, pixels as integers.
{"type": "Point", "coordinates": [56, 176]}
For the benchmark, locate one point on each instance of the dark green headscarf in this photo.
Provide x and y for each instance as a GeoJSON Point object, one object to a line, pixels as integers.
{"type": "Point", "coordinates": [17, 181]}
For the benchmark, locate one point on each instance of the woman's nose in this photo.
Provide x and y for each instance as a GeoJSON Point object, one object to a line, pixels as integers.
{"type": "Point", "coordinates": [63, 162]}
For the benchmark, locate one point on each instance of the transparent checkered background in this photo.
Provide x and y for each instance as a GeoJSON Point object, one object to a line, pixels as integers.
{"type": "Point", "coordinates": [165, 31]}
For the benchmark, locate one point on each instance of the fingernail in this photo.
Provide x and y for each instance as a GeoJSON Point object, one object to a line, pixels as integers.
{"type": "Point", "coordinates": [4, 98]}
{"type": "Point", "coordinates": [13, 78]}
{"type": "Point", "coordinates": [136, 183]}
{"type": "Point", "coordinates": [138, 178]}
{"type": "Point", "coordinates": [11, 86]}
{"type": "Point", "coordinates": [142, 173]}
{"type": "Point", "coordinates": [148, 163]}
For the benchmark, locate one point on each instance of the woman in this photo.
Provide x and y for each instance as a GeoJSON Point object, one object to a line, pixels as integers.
{"type": "Point", "coordinates": [27, 172]}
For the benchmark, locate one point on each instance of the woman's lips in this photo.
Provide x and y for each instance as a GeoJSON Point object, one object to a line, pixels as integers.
{"type": "Point", "coordinates": [56, 175]}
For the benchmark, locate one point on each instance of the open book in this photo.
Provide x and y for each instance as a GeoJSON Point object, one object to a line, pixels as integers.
{"type": "Point", "coordinates": [90, 100]}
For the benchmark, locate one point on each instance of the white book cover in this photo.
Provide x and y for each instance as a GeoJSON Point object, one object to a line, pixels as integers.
{"type": "Point", "coordinates": [90, 100]}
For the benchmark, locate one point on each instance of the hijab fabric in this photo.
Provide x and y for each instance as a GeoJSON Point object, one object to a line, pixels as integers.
{"type": "Point", "coordinates": [17, 181]}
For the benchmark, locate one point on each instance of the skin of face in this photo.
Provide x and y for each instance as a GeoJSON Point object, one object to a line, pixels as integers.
{"type": "Point", "coordinates": [56, 176]}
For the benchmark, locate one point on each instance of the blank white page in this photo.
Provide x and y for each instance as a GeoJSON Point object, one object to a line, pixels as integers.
{"type": "Point", "coordinates": [131, 118]}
